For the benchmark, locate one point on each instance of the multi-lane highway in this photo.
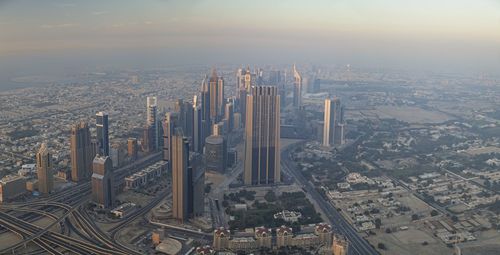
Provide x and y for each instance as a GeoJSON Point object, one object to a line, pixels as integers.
{"type": "Point", "coordinates": [358, 244]}
{"type": "Point", "coordinates": [69, 201]}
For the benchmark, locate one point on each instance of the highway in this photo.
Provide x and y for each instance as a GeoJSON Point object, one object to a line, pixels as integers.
{"type": "Point", "coordinates": [358, 245]}
{"type": "Point", "coordinates": [69, 200]}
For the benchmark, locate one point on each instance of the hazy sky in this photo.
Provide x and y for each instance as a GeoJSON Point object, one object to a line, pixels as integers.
{"type": "Point", "coordinates": [445, 35]}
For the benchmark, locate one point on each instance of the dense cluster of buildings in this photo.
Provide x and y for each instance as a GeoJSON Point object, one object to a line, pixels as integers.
{"type": "Point", "coordinates": [318, 235]}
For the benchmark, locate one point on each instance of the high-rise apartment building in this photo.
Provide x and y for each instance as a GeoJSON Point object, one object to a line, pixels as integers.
{"type": "Point", "coordinates": [103, 192]}
{"type": "Point", "coordinates": [81, 152]}
{"type": "Point", "coordinates": [102, 127]}
{"type": "Point", "coordinates": [262, 132]}
{"type": "Point", "coordinates": [44, 170]}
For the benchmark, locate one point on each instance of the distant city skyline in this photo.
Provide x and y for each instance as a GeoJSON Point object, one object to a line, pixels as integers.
{"type": "Point", "coordinates": [448, 36]}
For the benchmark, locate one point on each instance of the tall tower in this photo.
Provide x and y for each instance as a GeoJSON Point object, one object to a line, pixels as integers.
{"type": "Point", "coordinates": [333, 129]}
{"type": "Point", "coordinates": [216, 88]}
{"type": "Point", "coordinates": [229, 116]}
{"type": "Point", "coordinates": [81, 152]}
{"type": "Point", "coordinates": [44, 170]}
{"type": "Point", "coordinates": [168, 131]}
{"type": "Point", "coordinates": [206, 123]}
{"type": "Point", "coordinates": [180, 178]}
{"type": "Point", "coordinates": [197, 126]}
{"type": "Point", "coordinates": [152, 123]}
{"type": "Point", "coordinates": [262, 157]}
{"type": "Point", "coordinates": [102, 126]}
{"type": "Point", "coordinates": [297, 89]}
{"type": "Point", "coordinates": [339, 135]}
{"type": "Point", "coordinates": [103, 192]}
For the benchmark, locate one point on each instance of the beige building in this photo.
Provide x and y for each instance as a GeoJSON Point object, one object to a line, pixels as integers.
{"type": "Point", "coordinates": [180, 164]}
{"type": "Point", "coordinates": [262, 132]}
{"type": "Point", "coordinates": [340, 245]}
{"type": "Point", "coordinates": [221, 238]}
{"type": "Point", "coordinates": [264, 237]}
{"type": "Point", "coordinates": [44, 170]}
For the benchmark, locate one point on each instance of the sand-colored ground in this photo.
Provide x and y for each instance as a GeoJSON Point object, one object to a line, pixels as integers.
{"type": "Point", "coordinates": [409, 242]}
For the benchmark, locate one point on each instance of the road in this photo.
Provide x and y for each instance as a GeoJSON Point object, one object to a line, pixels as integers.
{"type": "Point", "coordinates": [70, 201]}
{"type": "Point", "coordinates": [358, 245]}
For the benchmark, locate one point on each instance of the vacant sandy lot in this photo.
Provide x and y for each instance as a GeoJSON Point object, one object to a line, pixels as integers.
{"type": "Point", "coordinates": [409, 242]}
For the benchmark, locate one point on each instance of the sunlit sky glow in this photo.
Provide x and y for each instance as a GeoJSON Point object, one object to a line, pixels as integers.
{"type": "Point", "coordinates": [396, 32]}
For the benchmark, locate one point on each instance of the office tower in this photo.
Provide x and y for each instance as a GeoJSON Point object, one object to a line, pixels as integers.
{"type": "Point", "coordinates": [196, 190]}
{"type": "Point", "coordinates": [206, 123]}
{"type": "Point", "coordinates": [152, 124]}
{"type": "Point", "coordinates": [81, 152]}
{"type": "Point", "coordinates": [168, 131]}
{"type": "Point", "coordinates": [216, 88]}
{"type": "Point", "coordinates": [262, 131]}
{"type": "Point", "coordinates": [103, 192]}
{"type": "Point", "coordinates": [333, 129]}
{"type": "Point", "coordinates": [229, 116]}
{"type": "Point", "coordinates": [248, 80]}
{"type": "Point", "coordinates": [340, 245]}
{"type": "Point", "coordinates": [102, 127]}
{"type": "Point", "coordinates": [297, 89]}
{"type": "Point", "coordinates": [44, 170]}
{"type": "Point", "coordinates": [132, 148]}
{"type": "Point", "coordinates": [242, 102]}
{"type": "Point", "coordinates": [180, 180]}
{"type": "Point", "coordinates": [216, 153]}
{"type": "Point", "coordinates": [197, 126]}
{"type": "Point", "coordinates": [340, 127]}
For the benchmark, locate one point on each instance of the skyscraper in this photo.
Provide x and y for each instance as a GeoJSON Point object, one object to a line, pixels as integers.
{"type": "Point", "coordinates": [180, 180]}
{"type": "Point", "coordinates": [81, 152]}
{"type": "Point", "coordinates": [297, 89]}
{"type": "Point", "coordinates": [206, 123]}
{"type": "Point", "coordinates": [168, 132]}
{"type": "Point", "coordinates": [262, 157]}
{"type": "Point", "coordinates": [102, 126]}
{"type": "Point", "coordinates": [152, 124]}
{"type": "Point", "coordinates": [103, 192]}
{"type": "Point", "coordinates": [229, 116]}
{"type": "Point", "coordinates": [44, 170]}
{"type": "Point", "coordinates": [333, 130]}
{"type": "Point", "coordinates": [197, 126]}
{"type": "Point", "coordinates": [216, 88]}
{"type": "Point", "coordinates": [216, 153]}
